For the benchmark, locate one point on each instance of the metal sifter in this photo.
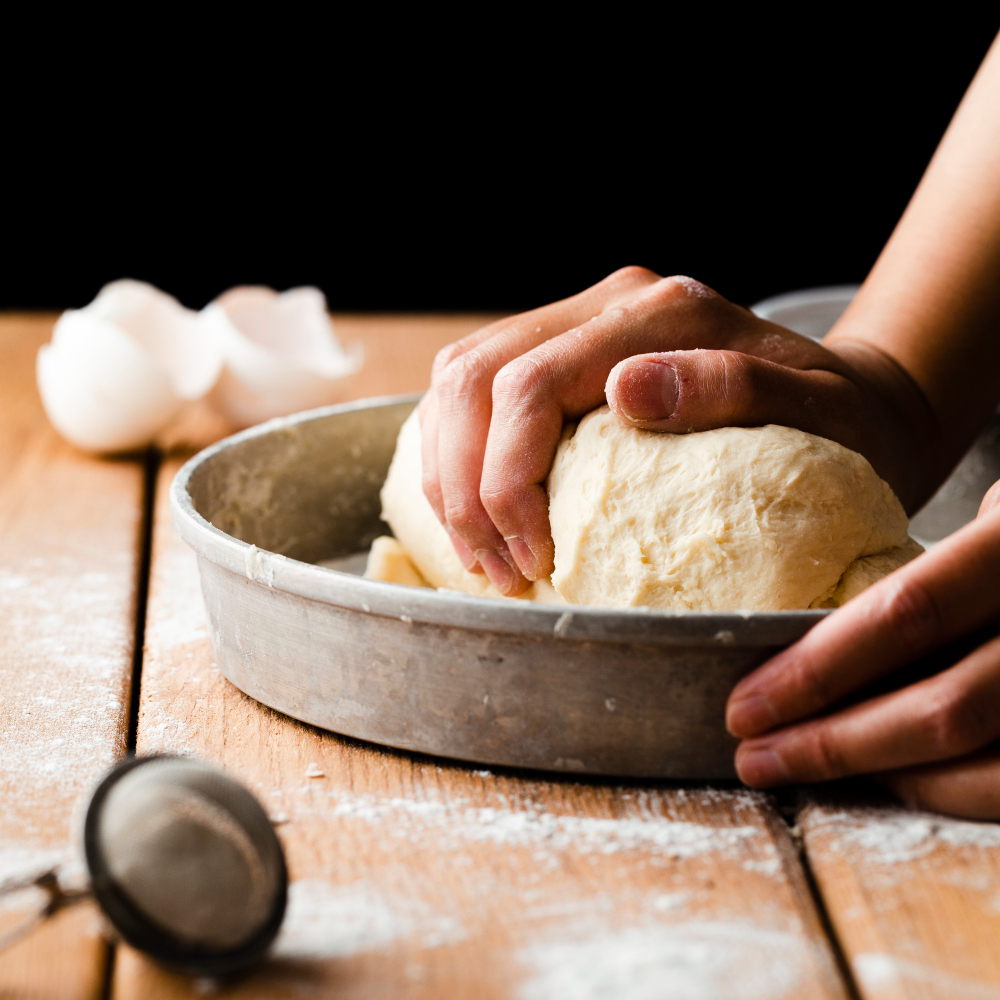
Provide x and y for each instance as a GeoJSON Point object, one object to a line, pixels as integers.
{"type": "Point", "coordinates": [184, 863]}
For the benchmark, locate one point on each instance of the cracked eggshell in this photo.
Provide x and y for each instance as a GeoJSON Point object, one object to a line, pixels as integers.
{"type": "Point", "coordinates": [176, 337]}
{"type": "Point", "coordinates": [117, 371]}
{"type": "Point", "coordinates": [281, 353]}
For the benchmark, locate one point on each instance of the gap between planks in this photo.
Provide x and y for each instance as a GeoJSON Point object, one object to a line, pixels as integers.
{"type": "Point", "coordinates": [71, 530]}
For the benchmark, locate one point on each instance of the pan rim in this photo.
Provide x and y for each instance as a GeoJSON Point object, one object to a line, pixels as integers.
{"type": "Point", "coordinates": [740, 629]}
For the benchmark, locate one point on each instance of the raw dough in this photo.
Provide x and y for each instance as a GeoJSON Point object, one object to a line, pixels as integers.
{"type": "Point", "coordinates": [762, 518]}
{"type": "Point", "coordinates": [863, 572]}
{"type": "Point", "coordinates": [388, 561]}
{"type": "Point", "coordinates": [738, 518]}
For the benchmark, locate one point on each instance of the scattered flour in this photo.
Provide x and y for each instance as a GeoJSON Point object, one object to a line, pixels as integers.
{"type": "Point", "coordinates": [325, 921]}
{"type": "Point", "coordinates": [690, 961]}
{"type": "Point", "coordinates": [891, 836]}
{"type": "Point", "coordinates": [65, 663]}
{"type": "Point", "coordinates": [180, 616]}
{"type": "Point", "coordinates": [534, 828]}
{"type": "Point", "coordinates": [876, 972]}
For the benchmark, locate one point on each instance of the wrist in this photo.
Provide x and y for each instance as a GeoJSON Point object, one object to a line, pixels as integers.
{"type": "Point", "coordinates": [904, 424]}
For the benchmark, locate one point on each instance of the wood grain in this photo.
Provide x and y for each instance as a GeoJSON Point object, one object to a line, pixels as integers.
{"type": "Point", "coordinates": [70, 540]}
{"type": "Point", "coordinates": [914, 898]}
{"type": "Point", "coordinates": [399, 350]}
{"type": "Point", "coordinates": [421, 878]}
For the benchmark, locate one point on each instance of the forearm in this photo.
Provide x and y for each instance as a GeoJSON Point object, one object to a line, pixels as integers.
{"type": "Point", "coordinates": [932, 301]}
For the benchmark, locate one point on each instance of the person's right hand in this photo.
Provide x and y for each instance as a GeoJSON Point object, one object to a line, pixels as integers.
{"type": "Point", "coordinates": [934, 738]}
{"type": "Point", "coordinates": [667, 354]}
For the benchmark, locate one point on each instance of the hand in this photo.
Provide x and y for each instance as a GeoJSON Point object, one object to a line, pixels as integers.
{"type": "Point", "coordinates": [667, 354]}
{"type": "Point", "coordinates": [933, 740]}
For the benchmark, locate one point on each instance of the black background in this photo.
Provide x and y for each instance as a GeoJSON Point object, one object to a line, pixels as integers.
{"type": "Point", "coordinates": [495, 171]}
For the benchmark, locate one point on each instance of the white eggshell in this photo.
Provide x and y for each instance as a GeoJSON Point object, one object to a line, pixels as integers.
{"type": "Point", "coordinates": [281, 353]}
{"type": "Point", "coordinates": [174, 336]}
{"type": "Point", "coordinates": [101, 390]}
{"type": "Point", "coordinates": [118, 370]}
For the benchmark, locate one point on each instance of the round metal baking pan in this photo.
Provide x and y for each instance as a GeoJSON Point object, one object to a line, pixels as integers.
{"type": "Point", "coordinates": [632, 692]}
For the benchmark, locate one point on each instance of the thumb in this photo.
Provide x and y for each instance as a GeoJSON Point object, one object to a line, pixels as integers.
{"type": "Point", "coordinates": [683, 391]}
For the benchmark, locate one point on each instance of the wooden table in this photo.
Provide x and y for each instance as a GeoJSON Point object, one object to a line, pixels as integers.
{"type": "Point", "coordinates": [415, 877]}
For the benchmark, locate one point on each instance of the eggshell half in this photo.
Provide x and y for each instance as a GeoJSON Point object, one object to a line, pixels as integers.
{"type": "Point", "coordinates": [102, 391]}
{"type": "Point", "coordinates": [174, 336]}
{"type": "Point", "coordinates": [119, 370]}
{"type": "Point", "coordinates": [281, 353]}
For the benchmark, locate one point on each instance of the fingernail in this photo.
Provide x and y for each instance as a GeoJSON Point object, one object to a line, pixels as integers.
{"type": "Point", "coordinates": [751, 716]}
{"type": "Point", "coordinates": [501, 575]}
{"type": "Point", "coordinates": [760, 768]}
{"type": "Point", "coordinates": [646, 390]}
{"type": "Point", "coordinates": [463, 551]}
{"type": "Point", "coordinates": [524, 557]}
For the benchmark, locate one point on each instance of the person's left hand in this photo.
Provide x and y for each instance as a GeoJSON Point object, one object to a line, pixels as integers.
{"type": "Point", "coordinates": [932, 741]}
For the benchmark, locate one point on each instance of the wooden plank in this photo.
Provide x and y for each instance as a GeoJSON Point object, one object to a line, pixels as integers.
{"type": "Point", "coordinates": [914, 898]}
{"type": "Point", "coordinates": [421, 878]}
{"type": "Point", "coordinates": [399, 350]}
{"type": "Point", "coordinates": [70, 540]}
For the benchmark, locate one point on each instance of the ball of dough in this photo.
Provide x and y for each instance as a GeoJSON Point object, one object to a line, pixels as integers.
{"type": "Point", "coordinates": [756, 519]}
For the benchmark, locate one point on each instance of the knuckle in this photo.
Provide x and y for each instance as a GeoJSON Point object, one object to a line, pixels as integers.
{"type": "Point", "coordinates": [809, 679]}
{"type": "Point", "coordinates": [632, 275]}
{"type": "Point", "coordinates": [666, 292]}
{"type": "Point", "coordinates": [691, 288]}
{"type": "Point", "coordinates": [432, 490]}
{"type": "Point", "coordinates": [738, 376]}
{"type": "Point", "coordinates": [500, 496]}
{"type": "Point", "coordinates": [495, 499]}
{"type": "Point", "coordinates": [462, 378]}
{"type": "Point", "coordinates": [464, 512]}
{"type": "Point", "coordinates": [678, 288]}
{"type": "Point", "coordinates": [443, 358]}
{"type": "Point", "coordinates": [910, 613]}
{"type": "Point", "coordinates": [671, 293]}
{"type": "Point", "coordinates": [827, 754]}
{"type": "Point", "coordinates": [953, 722]}
{"type": "Point", "coordinates": [518, 381]}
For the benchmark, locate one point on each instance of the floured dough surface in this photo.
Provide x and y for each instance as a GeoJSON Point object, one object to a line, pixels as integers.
{"type": "Point", "coordinates": [863, 572]}
{"type": "Point", "coordinates": [416, 527]}
{"type": "Point", "coordinates": [738, 518]}
{"type": "Point", "coordinates": [756, 519]}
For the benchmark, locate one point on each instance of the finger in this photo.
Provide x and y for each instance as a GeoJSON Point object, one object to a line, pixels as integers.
{"type": "Point", "coordinates": [967, 787]}
{"type": "Point", "coordinates": [428, 415]}
{"type": "Point", "coordinates": [945, 593]}
{"type": "Point", "coordinates": [694, 390]}
{"type": "Point", "coordinates": [430, 480]}
{"type": "Point", "coordinates": [463, 390]}
{"type": "Point", "coordinates": [946, 716]}
{"type": "Point", "coordinates": [682, 391]}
